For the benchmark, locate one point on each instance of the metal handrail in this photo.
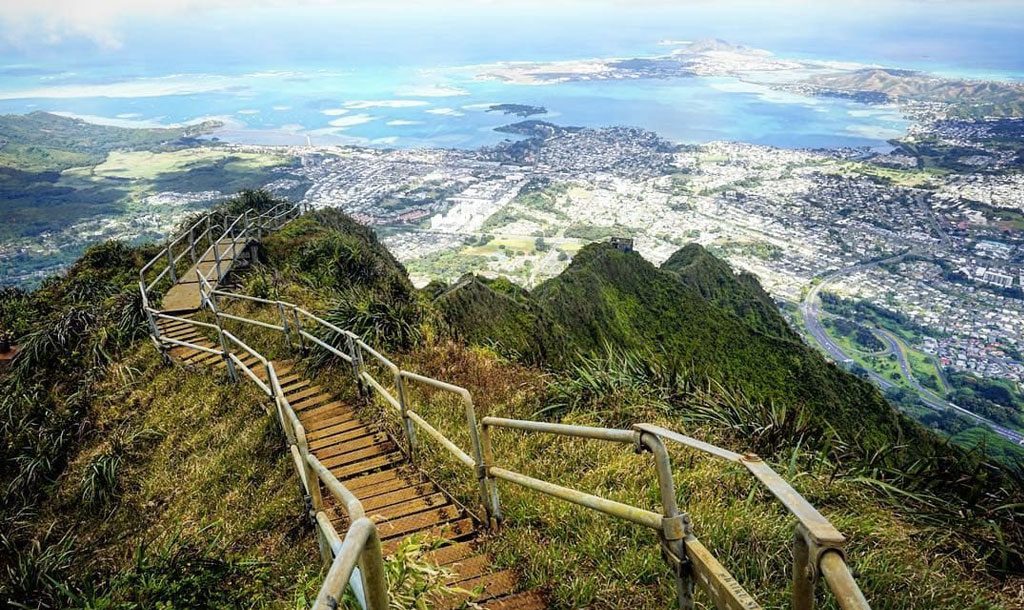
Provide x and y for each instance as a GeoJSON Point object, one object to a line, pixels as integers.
{"type": "Point", "coordinates": [823, 543]}
{"type": "Point", "coordinates": [818, 545]}
{"type": "Point", "coordinates": [361, 544]}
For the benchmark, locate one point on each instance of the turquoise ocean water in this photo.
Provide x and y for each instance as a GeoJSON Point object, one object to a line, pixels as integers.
{"type": "Point", "coordinates": [325, 75]}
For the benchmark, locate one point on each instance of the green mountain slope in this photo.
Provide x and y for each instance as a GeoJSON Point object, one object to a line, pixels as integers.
{"type": "Point", "coordinates": [688, 316]}
{"type": "Point", "coordinates": [739, 293]}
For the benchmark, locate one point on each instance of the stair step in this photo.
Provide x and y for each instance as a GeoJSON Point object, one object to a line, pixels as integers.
{"type": "Point", "coordinates": [411, 507]}
{"type": "Point", "coordinates": [357, 483]}
{"type": "Point", "coordinates": [321, 412]}
{"type": "Point", "coordinates": [341, 448]}
{"type": "Point", "coordinates": [358, 455]}
{"type": "Point", "coordinates": [336, 429]}
{"type": "Point", "coordinates": [469, 567]}
{"type": "Point", "coordinates": [368, 466]}
{"type": "Point", "coordinates": [298, 399]}
{"type": "Point", "coordinates": [494, 585]}
{"type": "Point", "coordinates": [379, 501]}
{"type": "Point", "coordinates": [527, 600]}
{"type": "Point", "coordinates": [451, 553]}
{"type": "Point", "coordinates": [441, 523]}
{"type": "Point", "coordinates": [292, 383]}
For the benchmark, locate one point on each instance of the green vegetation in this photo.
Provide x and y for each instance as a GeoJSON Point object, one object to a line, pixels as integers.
{"type": "Point", "coordinates": [612, 341]}
{"type": "Point", "coordinates": [753, 249]}
{"type": "Point", "coordinates": [57, 172]}
{"type": "Point", "coordinates": [997, 399]}
{"type": "Point", "coordinates": [967, 98]}
{"type": "Point", "coordinates": [128, 483]}
{"type": "Point", "coordinates": [42, 142]}
{"type": "Point", "coordinates": [861, 335]}
{"type": "Point", "coordinates": [876, 315]}
{"type": "Point", "coordinates": [589, 232]}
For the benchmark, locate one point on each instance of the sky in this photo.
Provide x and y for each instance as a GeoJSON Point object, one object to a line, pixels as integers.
{"type": "Point", "coordinates": [190, 34]}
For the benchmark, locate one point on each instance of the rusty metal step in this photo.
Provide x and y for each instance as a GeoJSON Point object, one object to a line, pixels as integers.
{"type": "Point", "coordinates": [287, 379]}
{"type": "Point", "coordinates": [292, 383]}
{"type": "Point", "coordinates": [324, 420]}
{"type": "Point", "coordinates": [325, 431]}
{"type": "Point", "coordinates": [321, 411]}
{"type": "Point", "coordinates": [181, 353]}
{"type": "Point", "coordinates": [496, 584]}
{"type": "Point", "coordinates": [527, 600]}
{"type": "Point", "coordinates": [387, 498]}
{"type": "Point", "coordinates": [451, 553]}
{"type": "Point", "coordinates": [183, 334]}
{"type": "Point", "coordinates": [458, 529]}
{"type": "Point", "coordinates": [367, 466]}
{"type": "Point", "coordinates": [340, 448]}
{"type": "Point", "coordinates": [470, 567]}
{"type": "Point", "coordinates": [172, 325]}
{"type": "Point", "coordinates": [410, 478]}
{"type": "Point", "coordinates": [424, 520]}
{"type": "Point", "coordinates": [340, 433]}
{"type": "Point", "coordinates": [356, 483]}
{"type": "Point", "coordinates": [206, 359]}
{"type": "Point", "coordinates": [411, 507]}
{"type": "Point", "coordinates": [358, 455]}
{"type": "Point", "coordinates": [310, 405]}
{"type": "Point", "coordinates": [299, 398]}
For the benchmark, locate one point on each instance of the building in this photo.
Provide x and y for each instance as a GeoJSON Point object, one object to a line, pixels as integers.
{"type": "Point", "coordinates": [624, 244]}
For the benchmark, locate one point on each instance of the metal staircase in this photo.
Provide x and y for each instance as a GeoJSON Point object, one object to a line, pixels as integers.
{"type": "Point", "coordinates": [365, 491]}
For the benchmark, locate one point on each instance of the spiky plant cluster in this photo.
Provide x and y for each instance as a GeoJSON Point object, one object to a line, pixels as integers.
{"type": "Point", "coordinates": [70, 329]}
{"type": "Point", "coordinates": [619, 388]}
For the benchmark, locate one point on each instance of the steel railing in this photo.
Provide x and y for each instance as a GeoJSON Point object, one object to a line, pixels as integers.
{"type": "Point", "coordinates": [210, 235]}
{"type": "Point", "coordinates": [818, 546]}
{"type": "Point", "coordinates": [357, 559]}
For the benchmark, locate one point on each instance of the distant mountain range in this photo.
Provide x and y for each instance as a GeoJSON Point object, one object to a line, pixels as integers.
{"type": "Point", "coordinates": [971, 97]}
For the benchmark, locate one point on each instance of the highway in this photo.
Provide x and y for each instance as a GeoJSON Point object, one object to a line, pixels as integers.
{"type": "Point", "coordinates": [810, 307]}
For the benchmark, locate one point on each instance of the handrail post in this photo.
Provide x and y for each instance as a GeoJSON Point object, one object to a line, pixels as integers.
{"type": "Point", "coordinates": [492, 484]}
{"type": "Point", "coordinates": [232, 373]}
{"type": "Point", "coordinates": [482, 474]}
{"type": "Point", "coordinates": [285, 325]}
{"type": "Point", "coordinates": [371, 570]}
{"type": "Point", "coordinates": [315, 498]}
{"type": "Point", "coordinates": [153, 327]}
{"type": "Point", "coordinates": [407, 424]}
{"type": "Point", "coordinates": [804, 576]}
{"type": "Point", "coordinates": [170, 264]}
{"type": "Point", "coordinates": [356, 354]}
{"type": "Point", "coordinates": [675, 525]}
{"type": "Point", "coordinates": [192, 243]}
{"type": "Point", "coordinates": [216, 258]}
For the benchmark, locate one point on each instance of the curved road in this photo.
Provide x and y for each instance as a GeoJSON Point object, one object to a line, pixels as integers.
{"type": "Point", "coordinates": [810, 307]}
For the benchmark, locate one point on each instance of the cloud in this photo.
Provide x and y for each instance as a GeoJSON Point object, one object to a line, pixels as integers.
{"type": "Point", "coordinates": [355, 119]}
{"type": "Point", "coordinates": [132, 120]}
{"type": "Point", "coordinates": [362, 104]}
{"type": "Point", "coordinates": [282, 108]}
{"type": "Point", "coordinates": [334, 111]}
{"type": "Point", "coordinates": [248, 111]}
{"type": "Point", "coordinates": [431, 91]}
{"type": "Point", "coordinates": [445, 112]}
{"type": "Point", "coordinates": [176, 84]}
{"type": "Point", "coordinates": [402, 123]}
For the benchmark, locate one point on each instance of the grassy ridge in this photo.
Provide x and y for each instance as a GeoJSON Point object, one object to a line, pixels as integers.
{"type": "Point", "coordinates": [893, 495]}
{"type": "Point", "coordinates": [584, 353]}
{"type": "Point", "coordinates": [126, 483]}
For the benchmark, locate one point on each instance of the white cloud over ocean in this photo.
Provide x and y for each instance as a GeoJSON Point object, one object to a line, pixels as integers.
{"type": "Point", "coordinates": [362, 104]}
{"type": "Point", "coordinates": [349, 121]}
